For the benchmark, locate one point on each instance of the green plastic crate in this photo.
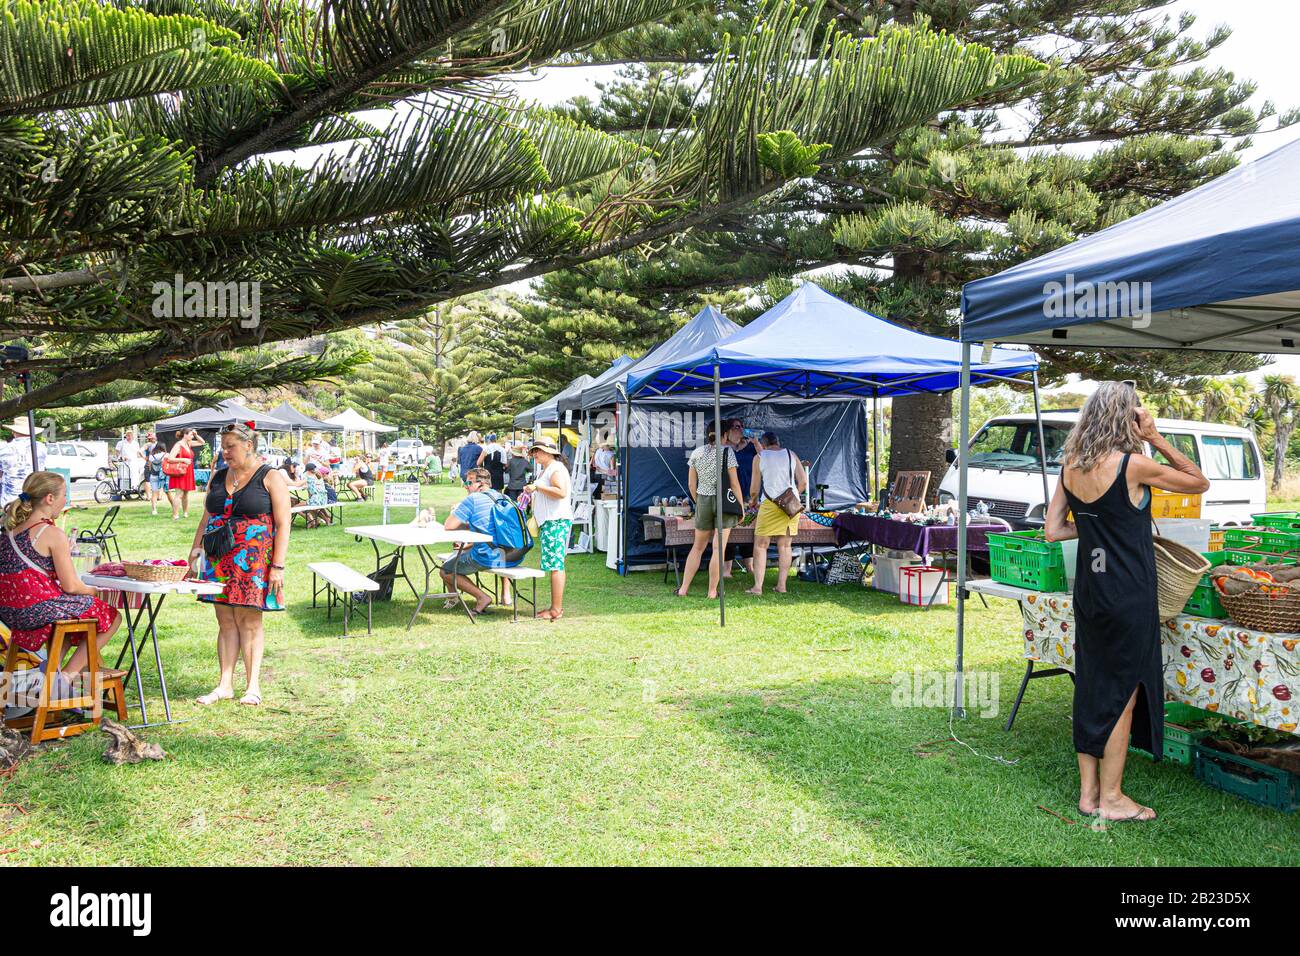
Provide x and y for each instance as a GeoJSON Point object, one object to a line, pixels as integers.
{"type": "Point", "coordinates": [1178, 737]}
{"type": "Point", "coordinates": [1281, 520]}
{"type": "Point", "coordinates": [1024, 559]}
{"type": "Point", "coordinates": [1246, 779]}
{"type": "Point", "coordinates": [1205, 601]}
{"type": "Point", "coordinates": [1261, 539]}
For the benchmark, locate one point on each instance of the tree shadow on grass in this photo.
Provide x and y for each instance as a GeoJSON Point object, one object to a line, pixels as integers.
{"type": "Point", "coordinates": [895, 773]}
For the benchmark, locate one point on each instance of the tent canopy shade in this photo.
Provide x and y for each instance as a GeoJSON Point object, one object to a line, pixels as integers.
{"type": "Point", "coordinates": [572, 401]}
{"type": "Point", "coordinates": [548, 412]}
{"type": "Point", "coordinates": [1215, 268]}
{"type": "Point", "coordinates": [708, 327]}
{"type": "Point", "coordinates": [286, 412]}
{"type": "Point", "coordinates": [812, 345]}
{"type": "Point", "coordinates": [222, 414]}
{"type": "Point", "coordinates": [351, 421]}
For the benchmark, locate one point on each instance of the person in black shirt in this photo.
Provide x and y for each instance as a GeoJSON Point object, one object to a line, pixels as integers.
{"type": "Point", "coordinates": [517, 468]}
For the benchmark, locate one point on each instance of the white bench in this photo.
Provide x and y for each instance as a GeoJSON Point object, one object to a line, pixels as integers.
{"type": "Point", "coordinates": [513, 576]}
{"type": "Point", "coordinates": [340, 584]}
{"type": "Point", "coordinates": [333, 506]}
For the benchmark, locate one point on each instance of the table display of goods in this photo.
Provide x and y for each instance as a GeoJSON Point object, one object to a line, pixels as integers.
{"type": "Point", "coordinates": [1204, 601]}
{"type": "Point", "coordinates": [157, 570]}
{"type": "Point", "coordinates": [1027, 560]}
{"type": "Point", "coordinates": [1262, 596]}
{"type": "Point", "coordinates": [671, 507]}
{"type": "Point", "coordinates": [1250, 762]}
{"type": "Point", "coordinates": [932, 515]}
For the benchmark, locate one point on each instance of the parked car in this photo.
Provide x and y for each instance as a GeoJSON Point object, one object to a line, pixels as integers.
{"type": "Point", "coordinates": [1003, 467]}
{"type": "Point", "coordinates": [81, 459]}
{"type": "Point", "coordinates": [410, 451]}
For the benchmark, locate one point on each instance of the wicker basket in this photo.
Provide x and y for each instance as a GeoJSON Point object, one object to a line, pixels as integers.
{"type": "Point", "coordinates": [1178, 572]}
{"type": "Point", "coordinates": [1260, 610]}
{"type": "Point", "coordinates": [158, 573]}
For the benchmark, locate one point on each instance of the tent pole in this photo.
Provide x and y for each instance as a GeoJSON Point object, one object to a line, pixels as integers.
{"type": "Point", "coordinates": [963, 432]}
{"type": "Point", "coordinates": [625, 486]}
{"type": "Point", "coordinates": [31, 425]}
{"type": "Point", "coordinates": [720, 551]}
{"type": "Point", "coordinates": [875, 447]}
{"type": "Point", "coordinates": [1042, 448]}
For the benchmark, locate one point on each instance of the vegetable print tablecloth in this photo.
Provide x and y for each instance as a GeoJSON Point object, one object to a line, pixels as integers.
{"type": "Point", "coordinates": [1216, 665]}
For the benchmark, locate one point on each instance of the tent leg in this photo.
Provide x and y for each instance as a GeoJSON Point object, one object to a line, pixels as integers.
{"type": "Point", "coordinates": [875, 449]}
{"type": "Point", "coordinates": [720, 551]}
{"type": "Point", "coordinates": [963, 433]}
{"type": "Point", "coordinates": [1042, 447]}
{"type": "Point", "coordinates": [31, 425]}
{"type": "Point", "coordinates": [625, 486]}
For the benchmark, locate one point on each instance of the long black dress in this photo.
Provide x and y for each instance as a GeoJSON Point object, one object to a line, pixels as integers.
{"type": "Point", "coordinates": [1116, 620]}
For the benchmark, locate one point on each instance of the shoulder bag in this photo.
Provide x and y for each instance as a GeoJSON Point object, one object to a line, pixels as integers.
{"type": "Point", "coordinates": [788, 500]}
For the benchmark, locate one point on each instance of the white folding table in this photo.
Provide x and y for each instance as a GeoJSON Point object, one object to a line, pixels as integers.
{"type": "Point", "coordinates": [403, 536]}
{"type": "Point", "coordinates": [153, 594]}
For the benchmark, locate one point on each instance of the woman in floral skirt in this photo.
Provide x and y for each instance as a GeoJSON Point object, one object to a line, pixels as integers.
{"type": "Point", "coordinates": [253, 500]}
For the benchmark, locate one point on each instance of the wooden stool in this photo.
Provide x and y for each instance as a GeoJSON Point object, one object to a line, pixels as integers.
{"type": "Point", "coordinates": [103, 681]}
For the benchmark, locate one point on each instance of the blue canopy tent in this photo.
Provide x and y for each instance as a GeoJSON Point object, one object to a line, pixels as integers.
{"type": "Point", "coordinates": [1217, 268]}
{"type": "Point", "coordinates": [813, 346]}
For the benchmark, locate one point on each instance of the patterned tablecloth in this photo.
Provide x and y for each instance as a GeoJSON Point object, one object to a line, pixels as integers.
{"type": "Point", "coordinates": [1215, 665]}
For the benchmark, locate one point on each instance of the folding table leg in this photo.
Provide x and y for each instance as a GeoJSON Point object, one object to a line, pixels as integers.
{"type": "Point", "coordinates": [1020, 695]}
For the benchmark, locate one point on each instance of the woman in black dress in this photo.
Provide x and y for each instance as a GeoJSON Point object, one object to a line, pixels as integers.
{"type": "Point", "coordinates": [1106, 481]}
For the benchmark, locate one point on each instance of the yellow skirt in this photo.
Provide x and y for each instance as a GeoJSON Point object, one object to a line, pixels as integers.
{"type": "Point", "coordinates": [772, 522]}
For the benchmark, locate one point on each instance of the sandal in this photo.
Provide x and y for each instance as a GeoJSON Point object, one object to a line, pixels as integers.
{"type": "Point", "coordinates": [210, 698]}
{"type": "Point", "coordinates": [250, 699]}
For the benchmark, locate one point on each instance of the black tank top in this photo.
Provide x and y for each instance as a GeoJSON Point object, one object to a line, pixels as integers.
{"type": "Point", "coordinates": [250, 501]}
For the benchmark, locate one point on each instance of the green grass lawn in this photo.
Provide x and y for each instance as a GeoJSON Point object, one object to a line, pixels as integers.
{"type": "Point", "coordinates": [634, 731]}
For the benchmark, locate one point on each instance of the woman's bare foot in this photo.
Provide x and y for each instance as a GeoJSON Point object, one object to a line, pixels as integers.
{"type": "Point", "coordinates": [1124, 807]}
{"type": "Point", "coordinates": [757, 592]}
{"type": "Point", "coordinates": [780, 590]}
{"type": "Point", "coordinates": [713, 595]}
{"type": "Point", "coordinates": [680, 593]}
{"type": "Point", "coordinates": [210, 698]}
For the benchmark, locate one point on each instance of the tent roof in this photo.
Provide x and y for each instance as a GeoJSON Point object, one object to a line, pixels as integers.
{"type": "Point", "coordinates": [1216, 268]}
{"type": "Point", "coordinates": [297, 419]}
{"type": "Point", "coordinates": [221, 414]}
{"type": "Point", "coordinates": [352, 421]}
{"type": "Point", "coordinates": [814, 345]}
{"type": "Point", "coordinates": [707, 327]}
{"type": "Point", "coordinates": [573, 400]}
{"type": "Point", "coordinates": [549, 410]}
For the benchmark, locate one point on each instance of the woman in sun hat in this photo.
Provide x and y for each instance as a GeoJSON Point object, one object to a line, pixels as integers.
{"type": "Point", "coordinates": [553, 509]}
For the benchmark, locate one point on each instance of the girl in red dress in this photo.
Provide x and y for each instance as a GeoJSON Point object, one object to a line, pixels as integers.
{"type": "Point", "coordinates": [180, 486]}
{"type": "Point", "coordinates": [38, 583]}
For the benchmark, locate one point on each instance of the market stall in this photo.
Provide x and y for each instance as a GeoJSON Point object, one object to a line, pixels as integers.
{"type": "Point", "coordinates": [1215, 268]}
{"type": "Point", "coordinates": [352, 421]}
{"type": "Point", "coordinates": [814, 347]}
{"type": "Point", "coordinates": [302, 422]}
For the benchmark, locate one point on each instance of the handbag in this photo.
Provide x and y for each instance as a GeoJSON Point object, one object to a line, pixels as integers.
{"type": "Point", "coordinates": [730, 504]}
{"type": "Point", "coordinates": [175, 466]}
{"type": "Point", "coordinates": [220, 541]}
{"type": "Point", "coordinates": [788, 500]}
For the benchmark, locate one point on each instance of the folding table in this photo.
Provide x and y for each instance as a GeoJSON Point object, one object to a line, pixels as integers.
{"type": "Point", "coordinates": [153, 593]}
{"type": "Point", "coordinates": [403, 536]}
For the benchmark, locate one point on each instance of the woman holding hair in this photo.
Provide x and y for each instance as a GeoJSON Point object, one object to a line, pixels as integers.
{"type": "Point", "coordinates": [180, 486]}
{"type": "Point", "coordinates": [1106, 481]}
{"type": "Point", "coordinates": [252, 500]}
{"type": "Point", "coordinates": [703, 486]}
{"type": "Point", "coordinates": [776, 470]}
{"type": "Point", "coordinates": [38, 583]}
{"type": "Point", "coordinates": [553, 509]}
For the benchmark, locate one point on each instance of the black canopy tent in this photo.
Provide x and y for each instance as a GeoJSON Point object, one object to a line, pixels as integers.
{"type": "Point", "coordinates": [222, 414]}
{"type": "Point", "coordinates": [301, 421]}
{"type": "Point", "coordinates": [1217, 268]}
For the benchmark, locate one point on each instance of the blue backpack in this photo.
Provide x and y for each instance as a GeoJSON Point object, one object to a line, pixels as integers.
{"type": "Point", "coordinates": [509, 528]}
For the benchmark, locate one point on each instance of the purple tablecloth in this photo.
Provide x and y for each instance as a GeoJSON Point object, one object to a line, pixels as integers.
{"type": "Point", "coordinates": [905, 536]}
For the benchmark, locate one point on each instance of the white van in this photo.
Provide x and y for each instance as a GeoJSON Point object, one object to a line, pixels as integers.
{"type": "Point", "coordinates": [1004, 469]}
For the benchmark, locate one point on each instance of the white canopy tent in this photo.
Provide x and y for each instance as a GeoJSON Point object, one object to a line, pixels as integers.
{"type": "Point", "coordinates": [351, 420]}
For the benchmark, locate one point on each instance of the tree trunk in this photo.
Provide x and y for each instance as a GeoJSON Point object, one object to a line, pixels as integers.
{"type": "Point", "coordinates": [921, 430]}
{"type": "Point", "coordinates": [921, 426]}
{"type": "Point", "coordinates": [1281, 438]}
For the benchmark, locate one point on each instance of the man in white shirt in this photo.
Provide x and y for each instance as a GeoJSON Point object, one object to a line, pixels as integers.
{"type": "Point", "coordinates": [16, 460]}
{"type": "Point", "coordinates": [129, 450]}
